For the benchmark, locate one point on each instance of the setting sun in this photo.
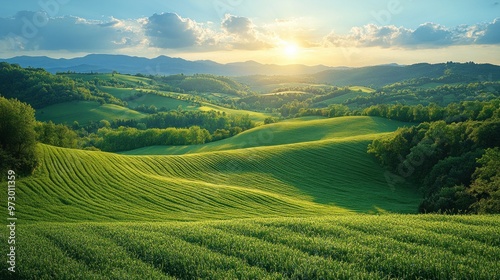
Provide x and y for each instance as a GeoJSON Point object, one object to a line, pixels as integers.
{"type": "Point", "coordinates": [291, 49]}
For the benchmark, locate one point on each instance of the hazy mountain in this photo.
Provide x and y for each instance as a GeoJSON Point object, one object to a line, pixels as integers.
{"type": "Point", "coordinates": [373, 76]}
{"type": "Point", "coordinates": [378, 76]}
{"type": "Point", "coordinates": [162, 65]}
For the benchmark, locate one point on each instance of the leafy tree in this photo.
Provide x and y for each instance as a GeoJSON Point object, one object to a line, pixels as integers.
{"type": "Point", "coordinates": [56, 135]}
{"type": "Point", "coordinates": [17, 136]}
{"type": "Point", "coordinates": [486, 185]}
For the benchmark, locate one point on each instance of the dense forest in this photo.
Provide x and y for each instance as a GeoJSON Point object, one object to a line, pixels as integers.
{"type": "Point", "coordinates": [39, 88]}
{"type": "Point", "coordinates": [454, 160]}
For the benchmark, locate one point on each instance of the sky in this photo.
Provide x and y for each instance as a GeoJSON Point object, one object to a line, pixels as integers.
{"type": "Point", "coordinates": [327, 32]}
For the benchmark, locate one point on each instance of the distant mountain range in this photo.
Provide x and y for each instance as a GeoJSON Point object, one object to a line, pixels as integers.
{"type": "Point", "coordinates": [162, 65]}
{"type": "Point", "coordinates": [373, 76]}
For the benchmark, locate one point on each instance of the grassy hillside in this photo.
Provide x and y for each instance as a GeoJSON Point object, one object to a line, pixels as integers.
{"type": "Point", "coordinates": [147, 99]}
{"type": "Point", "coordinates": [84, 112]}
{"type": "Point", "coordinates": [94, 186]}
{"type": "Point", "coordinates": [288, 132]}
{"type": "Point", "coordinates": [127, 79]}
{"type": "Point", "coordinates": [269, 181]}
{"type": "Point", "coordinates": [332, 175]}
{"type": "Point", "coordinates": [334, 247]}
{"type": "Point", "coordinates": [254, 116]}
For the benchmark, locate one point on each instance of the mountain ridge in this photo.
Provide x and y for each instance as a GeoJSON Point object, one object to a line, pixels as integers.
{"type": "Point", "coordinates": [161, 65]}
{"type": "Point", "coordinates": [375, 76]}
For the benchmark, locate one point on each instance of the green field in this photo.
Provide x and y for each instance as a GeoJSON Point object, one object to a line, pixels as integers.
{"type": "Point", "coordinates": [85, 111]}
{"type": "Point", "coordinates": [288, 132]}
{"type": "Point", "coordinates": [107, 77]}
{"type": "Point", "coordinates": [254, 116]}
{"type": "Point", "coordinates": [294, 200]}
{"type": "Point", "coordinates": [362, 89]}
{"type": "Point", "coordinates": [333, 247]}
{"type": "Point", "coordinates": [266, 88]}
{"type": "Point", "coordinates": [147, 99]}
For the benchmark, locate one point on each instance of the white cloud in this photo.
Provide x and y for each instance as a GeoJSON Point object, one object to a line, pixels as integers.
{"type": "Point", "coordinates": [241, 33]}
{"type": "Point", "coordinates": [26, 32]}
{"type": "Point", "coordinates": [170, 31]}
{"type": "Point", "coordinates": [427, 35]}
{"type": "Point", "coordinates": [36, 31]}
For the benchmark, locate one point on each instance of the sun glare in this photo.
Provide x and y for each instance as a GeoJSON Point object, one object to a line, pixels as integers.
{"type": "Point", "coordinates": [291, 49]}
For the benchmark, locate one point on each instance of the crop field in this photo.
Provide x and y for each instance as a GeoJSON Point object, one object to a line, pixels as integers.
{"type": "Point", "coordinates": [298, 179]}
{"type": "Point", "coordinates": [328, 247]}
{"type": "Point", "coordinates": [303, 201]}
{"type": "Point", "coordinates": [85, 111]}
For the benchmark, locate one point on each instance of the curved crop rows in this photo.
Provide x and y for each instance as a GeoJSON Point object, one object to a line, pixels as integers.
{"type": "Point", "coordinates": [326, 176]}
{"type": "Point", "coordinates": [334, 247]}
{"type": "Point", "coordinates": [330, 177]}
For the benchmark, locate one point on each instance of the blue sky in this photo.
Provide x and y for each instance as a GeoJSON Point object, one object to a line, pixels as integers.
{"type": "Point", "coordinates": [352, 33]}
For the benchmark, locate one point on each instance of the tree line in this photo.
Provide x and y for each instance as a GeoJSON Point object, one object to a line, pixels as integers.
{"type": "Point", "coordinates": [166, 128]}
{"type": "Point", "coordinates": [454, 112]}
{"type": "Point", "coordinates": [454, 163]}
{"type": "Point", "coordinates": [128, 138]}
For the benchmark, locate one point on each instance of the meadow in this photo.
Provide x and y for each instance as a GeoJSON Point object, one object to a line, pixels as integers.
{"type": "Point", "coordinates": [306, 129]}
{"type": "Point", "coordinates": [348, 246]}
{"type": "Point", "coordinates": [333, 174]}
{"type": "Point", "coordinates": [84, 112]}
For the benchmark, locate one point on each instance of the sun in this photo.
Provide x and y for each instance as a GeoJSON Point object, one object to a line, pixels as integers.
{"type": "Point", "coordinates": [290, 49]}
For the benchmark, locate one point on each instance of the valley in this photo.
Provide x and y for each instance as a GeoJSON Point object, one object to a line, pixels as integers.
{"type": "Point", "coordinates": [214, 177]}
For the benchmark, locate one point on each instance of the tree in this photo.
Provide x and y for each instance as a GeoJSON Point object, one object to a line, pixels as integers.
{"type": "Point", "coordinates": [56, 135]}
{"type": "Point", "coordinates": [269, 120]}
{"type": "Point", "coordinates": [17, 136]}
{"type": "Point", "coordinates": [486, 186]}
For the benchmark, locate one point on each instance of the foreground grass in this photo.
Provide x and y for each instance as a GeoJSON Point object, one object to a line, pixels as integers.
{"type": "Point", "coordinates": [331, 247]}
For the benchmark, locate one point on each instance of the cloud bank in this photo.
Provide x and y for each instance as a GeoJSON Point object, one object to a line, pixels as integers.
{"type": "Point", "coordinates": [35, 31]}
{"type": "Point", "coordinates": [427, 35]}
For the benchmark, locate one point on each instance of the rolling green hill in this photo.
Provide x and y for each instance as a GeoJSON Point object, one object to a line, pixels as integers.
{"type": "Point", "coordinates": [327, 172]}
{"type": "Point", "coordinates": [254, 116]}
{"type": "Point", "coordinates": [147, 99]}
{"type": "Point", "coordinates": [288, 132]}
{"type": "Point", "coordinates": [85, 111]}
